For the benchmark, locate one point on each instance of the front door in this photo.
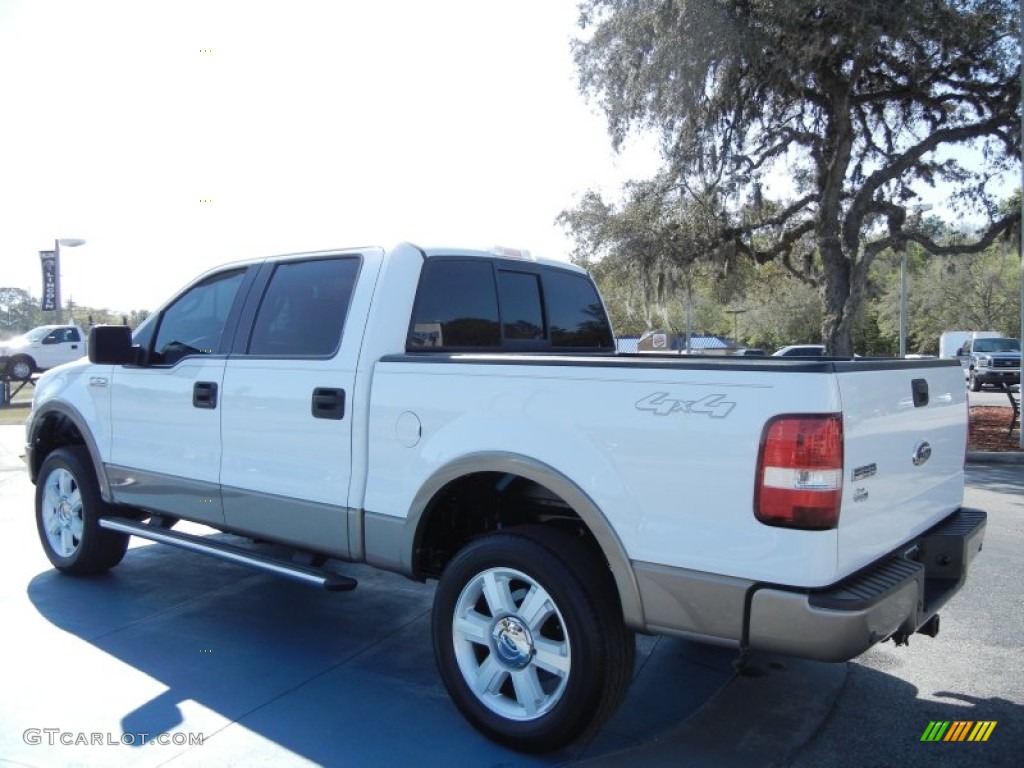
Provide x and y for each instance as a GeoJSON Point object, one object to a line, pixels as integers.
{"type": "Point", "coordinates": [166, 414]}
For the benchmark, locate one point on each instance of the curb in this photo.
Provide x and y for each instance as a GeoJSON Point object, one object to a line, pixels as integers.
{"type": "Point", "coordinates": [995, 457]}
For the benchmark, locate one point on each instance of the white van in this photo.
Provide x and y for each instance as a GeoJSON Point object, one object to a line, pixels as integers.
{"type": "Point", "coordinates": [951, 342]}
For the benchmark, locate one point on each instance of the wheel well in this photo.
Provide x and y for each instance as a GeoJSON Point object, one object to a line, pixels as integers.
{"type": "Point", "coordinates": [479, 503]}
{"type": "Point", "coordinates": [56, 431]}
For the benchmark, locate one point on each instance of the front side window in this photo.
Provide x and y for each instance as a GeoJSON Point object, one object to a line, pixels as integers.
{"type": "Point", "coordinates": [303, 311]}
{"type": "Point", "coordinates": [194, 323]}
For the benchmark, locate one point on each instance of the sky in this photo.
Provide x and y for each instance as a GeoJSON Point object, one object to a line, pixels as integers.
{"type": "Point", "coordinates": [176, 136]}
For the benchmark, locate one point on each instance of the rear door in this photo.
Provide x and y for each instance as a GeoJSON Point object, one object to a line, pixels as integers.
{"type": "Point", "coordinates": [287, 403]}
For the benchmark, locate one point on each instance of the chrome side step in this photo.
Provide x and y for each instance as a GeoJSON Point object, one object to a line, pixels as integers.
{"type": "Point", "coordinates": [333, 582]}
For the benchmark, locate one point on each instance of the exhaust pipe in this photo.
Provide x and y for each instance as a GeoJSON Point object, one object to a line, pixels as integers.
{"type": "Point", "coordinates": [930, 627]}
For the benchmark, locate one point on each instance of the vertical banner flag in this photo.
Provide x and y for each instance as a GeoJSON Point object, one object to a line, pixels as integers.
{"type": "Point", "coordinates": [51, 281]}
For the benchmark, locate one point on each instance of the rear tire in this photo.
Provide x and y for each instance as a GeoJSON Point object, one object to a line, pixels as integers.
{"type": "Point", "coordinates": [68, 509]}
{"type": "Point", "coordinates": [529, 638]}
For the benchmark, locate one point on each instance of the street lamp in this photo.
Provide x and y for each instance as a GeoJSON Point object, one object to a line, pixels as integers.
{"type": "Point", "coordinates": [67, 242]}
{"type": "Point", "coordinates": [735, 324]}
{"type": "Point", "coordinates": [918, 209]}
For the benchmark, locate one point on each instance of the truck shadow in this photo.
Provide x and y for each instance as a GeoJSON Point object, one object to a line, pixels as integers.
{"type": "Point", "coordinates": [884, 720]}
{"type": "Point", "coordinates": [998, 478]}
{"type": "Point", "coordinates": [321, 675]}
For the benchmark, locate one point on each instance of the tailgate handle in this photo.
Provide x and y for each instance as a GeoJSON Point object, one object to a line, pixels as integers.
{"type": "Point", "coordinates": [328, 403]}
{"type": "Point", "coordinates": [919, 387]}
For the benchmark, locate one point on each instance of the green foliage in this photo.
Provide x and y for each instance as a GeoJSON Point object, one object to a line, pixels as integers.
{"type": "Point", "coordinates": [20, 312]}
{"type": "Point", "coordinates": [963, 293]}
{"type": "Point", "coordinates": [979, 292]}
{"type": "Point", "coordinates": [860, 103]}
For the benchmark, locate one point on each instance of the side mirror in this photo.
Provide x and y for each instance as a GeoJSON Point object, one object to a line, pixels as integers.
{"type": "Point", "coordinates": [50, 340]}
{"type": "Point", "coordinates": [111, 345]}
{"type": "Point", "coordinates": [960, 352]}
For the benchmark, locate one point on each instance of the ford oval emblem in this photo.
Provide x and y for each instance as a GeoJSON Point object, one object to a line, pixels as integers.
{"type": "Point", "coordinates": [922, 452]}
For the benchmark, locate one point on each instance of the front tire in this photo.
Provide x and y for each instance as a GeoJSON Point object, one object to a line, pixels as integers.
{"type": "Point", "coordinates": [68, 508]}
{"type": "Point", "coordinates": [529, 638]}
{"type": "Point", "coordinates": [20, 368]}
{"type": "Point", "coordinates": [974, 384]}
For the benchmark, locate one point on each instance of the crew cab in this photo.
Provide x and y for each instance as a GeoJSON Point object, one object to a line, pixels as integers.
{"type": "Point", "coordinates": [462, 416]}
{"type": "Point", "coordinates": [40, 349]}
{"type": "Point", "coordinates": [991, 361]}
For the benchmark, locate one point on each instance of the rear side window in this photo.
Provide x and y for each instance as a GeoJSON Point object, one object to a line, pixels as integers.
{"type": "Point", "coordinates": [577, 316]}
{"type": "Point", "coordinates": [470, 303]}
{"type": "Point", "coordinates": [302, 313]}
{"type": "Point", "coordinates": [456, 306]}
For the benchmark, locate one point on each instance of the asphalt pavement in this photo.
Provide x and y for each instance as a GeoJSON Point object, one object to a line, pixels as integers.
{"type": "Point", "coordinates": [264, 671]}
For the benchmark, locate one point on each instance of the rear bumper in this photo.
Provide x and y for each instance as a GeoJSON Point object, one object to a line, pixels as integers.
{"type": "Point", "coordinates": [894, 596]}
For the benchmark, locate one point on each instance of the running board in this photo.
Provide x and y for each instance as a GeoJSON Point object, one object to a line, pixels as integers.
{"type": "Point", "coordinates": [333, 582]}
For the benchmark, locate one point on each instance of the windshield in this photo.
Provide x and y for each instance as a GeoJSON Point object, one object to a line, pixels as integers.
{"type": "Point", "coordinates": [997, 345]}
{"type": "Point", "coordinates": [36, 334]}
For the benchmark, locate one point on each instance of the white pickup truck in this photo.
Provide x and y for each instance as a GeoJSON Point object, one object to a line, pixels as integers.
{"type": "Point", "coordinates": [462, 416]}
{"type": "Point", "coordinates": [40, 349]}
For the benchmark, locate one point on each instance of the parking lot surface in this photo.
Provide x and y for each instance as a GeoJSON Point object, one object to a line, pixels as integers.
{"type": "Point", "coordinates": [227, 666]}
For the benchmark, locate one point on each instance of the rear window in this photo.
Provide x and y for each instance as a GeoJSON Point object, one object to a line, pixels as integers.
{"type": "Point", "coordinates": [479, 304]}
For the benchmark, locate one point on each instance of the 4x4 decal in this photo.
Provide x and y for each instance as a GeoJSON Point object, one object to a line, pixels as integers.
{"type": "Point", "coordinates": [715, 406]}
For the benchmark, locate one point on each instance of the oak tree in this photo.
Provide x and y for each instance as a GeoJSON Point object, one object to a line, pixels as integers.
{"type": "Point", "coordinates": [860, 104]}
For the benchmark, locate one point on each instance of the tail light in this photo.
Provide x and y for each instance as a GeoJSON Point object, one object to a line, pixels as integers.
{"type": "Point", "coordinates": [800, 472]}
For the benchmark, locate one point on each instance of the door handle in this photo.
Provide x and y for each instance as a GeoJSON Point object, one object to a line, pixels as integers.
{"type": "Point", "coordinates": [328, 403]}
{"type": "Point", "coordinates": [204, 394]}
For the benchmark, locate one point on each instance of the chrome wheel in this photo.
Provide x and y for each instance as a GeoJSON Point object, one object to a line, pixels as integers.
{"type": "Point", "coordinates": [21, 369]}
{"type": "Point", "coordinates": [68, 511]}
{"type": "Point", "coordinates": [510, 644]}
{"type": "Point", "coordinates": [61, 511]}
{"type": "Point", "coordinates": [529, 638]}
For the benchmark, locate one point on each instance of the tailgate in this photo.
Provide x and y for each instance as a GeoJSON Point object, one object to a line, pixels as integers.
{"type": "Point", "coordinates": [905, 431]}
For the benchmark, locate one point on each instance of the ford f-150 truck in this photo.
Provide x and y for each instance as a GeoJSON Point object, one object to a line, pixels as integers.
{"type": "Point", "coordinates": [40, 349]}
{"type": "Point", "coordinates": [992, 361]}
{"type": "Point", "coordinates": [462, 416]}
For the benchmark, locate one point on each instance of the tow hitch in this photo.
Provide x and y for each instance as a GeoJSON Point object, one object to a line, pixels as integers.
{"type": "Point", "coordinates": [930, 628]}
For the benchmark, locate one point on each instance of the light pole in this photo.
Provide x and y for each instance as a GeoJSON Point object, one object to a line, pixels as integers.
{"type": "Point", "coordinates": [918, 209]}
{"type": "Point", "coordinates": [735, 324]}
{"type": "Point", "coordinates": [67, 242]}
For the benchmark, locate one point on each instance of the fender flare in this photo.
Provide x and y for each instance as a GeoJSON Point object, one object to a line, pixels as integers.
{"type": "Point", "coordinates": [553, 480]}
{"type": "Point", "coordinates": [76, 418]}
